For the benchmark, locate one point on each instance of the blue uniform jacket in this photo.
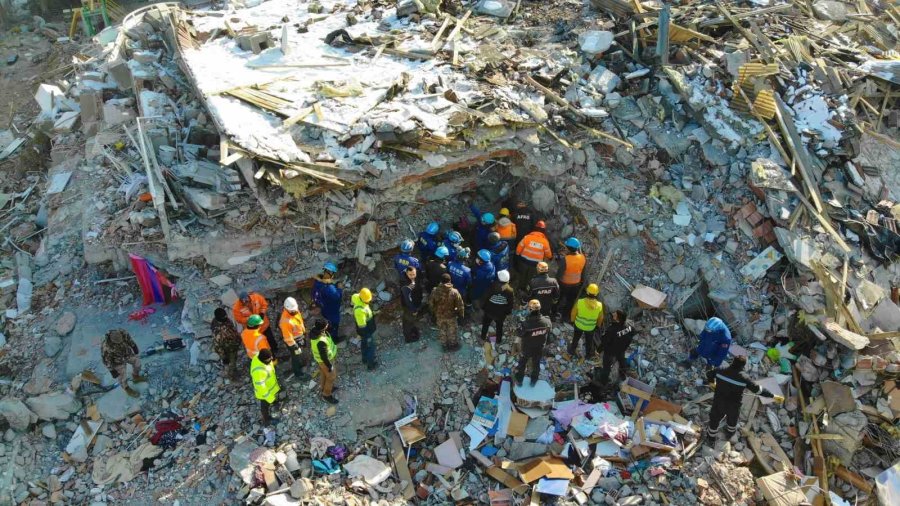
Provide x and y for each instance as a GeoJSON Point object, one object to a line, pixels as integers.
{"type": "Point", "coordinates": [483, 277]}
{"type": "Point", "coordinates": [452, 249]}
{"type": "Point", "coordinates": [404, 260]}
{"type": "Point", "coordinates": [481, 231]}
{"type": "Point", "coordinates": [426, 244]}
{"type": "Point", "coordinates": [500, 256]}
{"type": "Point", "coordinates": [328, 297]}
{"type": "Point", "coordinates": [460, 275]}
{"type": "Point", "coordinates": [714, 342]}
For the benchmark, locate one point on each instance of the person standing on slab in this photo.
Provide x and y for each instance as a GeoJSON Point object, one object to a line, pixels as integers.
{"type": "Point", "coordinates": [118, 350]}
{"type": "Point", "coordinates": [226, 341]}
{"type": "Point", "coordinates": [498, 304]}
{"type": "Point", "coordinates": [411, 296]}
{"type": "Point", "coordinates": [535, 331]}
{"type": "Point", "coordinates": [324, 351]}
{"type": "Point", "coordinates": [265, 383]}
{"type": "Point", "coordinates": [293, 331]}
{"type": "Point", "coordinates": [730, 384]}
{"type": "Point", "coordinates": [448, 306]}
{"type": "Point", "coordinates": [365, 326]}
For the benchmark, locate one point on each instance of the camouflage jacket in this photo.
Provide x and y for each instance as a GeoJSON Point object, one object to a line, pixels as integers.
{"type": "Point", "coordinates": [117, 348]}
{"type": "Point", "coordinates": [226, 339]}
{"type": "Point", "coordinates": [446, 302]}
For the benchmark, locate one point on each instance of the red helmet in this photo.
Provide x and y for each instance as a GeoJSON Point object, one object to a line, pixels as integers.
{"type": "Point", "coordinates": [540, 225]}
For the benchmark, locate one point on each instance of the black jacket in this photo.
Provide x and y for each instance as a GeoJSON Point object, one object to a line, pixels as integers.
{"type": "Point", "coordinates": [434, 269]}
{"type": "Point", "coordinates": [499, 300]}
{"type": "Point", "coordinates": [546, 290]}
{"type": "Point", "coordinates": [730, 385]}
{"type": "Point", "coordinates": [617, 337]}
{"type": "Point", "coordinates": [411, 296]}
{"type": "Point", "coordinates": [535, 331]}
{"type": "Point", "coordinates": [524, 218]}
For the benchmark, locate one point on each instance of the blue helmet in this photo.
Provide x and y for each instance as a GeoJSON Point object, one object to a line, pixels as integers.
{"type": "Point", "coordinates": [487, 219]}
{"type": "Point", "coordinates": [406, 246]}
{"type": "Point", "coordinates": [462, 253]}
{"type": "Point", "coordinates": [330, 267]}
{"type": "Point", "coordinates": [573, 243]}
{"type": "Point", "coordinates": [432, 228]}
{"type": "Point", "coordinates": [441, 252]}
{"type": "Point", "coordinates": [454, 236]}
{"type": "Point", "coordinates": [484, 255]}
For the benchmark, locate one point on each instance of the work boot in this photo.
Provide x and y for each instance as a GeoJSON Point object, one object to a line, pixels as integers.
{"type": "Point", "coordinates": [131, 392]}
{"type": "Point", "coordinates": [330, 399]}
{"type": "Point", "coordinates": [372, 366]}
{"type": "Point", "coordinates": [571, 350]}
{"type": "Point", "coordinates": [139, 379]}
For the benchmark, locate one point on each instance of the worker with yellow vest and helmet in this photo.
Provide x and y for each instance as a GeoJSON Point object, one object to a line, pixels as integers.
{"type": "Point", "coordinates": [265, 384]}
{"type": "Point", "coordinates": [587, 315]}
{"type": "Point", "coordinates": [569, 274]}
{"type": "Point", "coordinates": [365, 326]}
{"type": "Point", "coordinates": [293, 331]}
{"type": "Point", "coordinates": [324, 352]}
{"type": "Point", "coordinates": [506, 228]}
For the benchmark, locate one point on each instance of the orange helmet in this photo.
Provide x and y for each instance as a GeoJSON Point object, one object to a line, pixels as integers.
{"type": "Point", "coordinates": [540, 225]}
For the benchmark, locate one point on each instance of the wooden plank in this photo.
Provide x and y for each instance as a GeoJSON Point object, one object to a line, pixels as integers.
{"type": "Point", "coordinates": [401, 466]}
{"type": "Point", "coordinates": [795, 145]}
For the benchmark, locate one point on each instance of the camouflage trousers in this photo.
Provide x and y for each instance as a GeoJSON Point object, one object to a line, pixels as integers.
{"type": "Point", "coordinates": [448, 331]}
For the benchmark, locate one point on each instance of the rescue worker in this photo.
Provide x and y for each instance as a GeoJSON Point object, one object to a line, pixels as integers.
{"type": "Point", "coordinates": [499, 252]}
{"type": "Point", "coordinates": [435, 268]}
{"type": "Point", "coordinates": [533, 248]}
{"type": "Point", "coordinates": [506, 228]}
{"type": "Point", "coordinates": [254, 340]}
{"type": "Point", "coordinates": [485, 226]}
{"type": "Point", "coordinates": [405, 259]}
{"type": "Point", "coordinates": [482, 276]}
{"type": "Point", "coordinates": [324, 351]}
{"type": "Point", "coordinates": [411, 296]}
{"type": "Point", "coordinates": [453, 242]}
{"type": "Point", "coordinates": [614, 344]}
{"type": "Point", "coordinates": [586, 316]}
{"type": "Point", "coordinates": [252, 303]}
{"type": "Point", "coordinates": [293, 332]}
{"type": "Point", "coordinates": [571, 268]}
{"type": "Point", "coordinates": [714, 343]}
{"type": "Point", "coordinates": [448, 306]}
{"type": "Point", "coordinates": [327, 295]}
{"type": "Point", "coordinates": [499, 303]}
{"type": "Point", "coordinates": [535, 331]}
{"type": "Point", "coordinates": [365, 326]}
{"type": "Point", "coordinates": [544, 288]}
{"type": "Point", "coordinates": [226, 341]}
{"type": "Point", "coordinates": [730, 383]}
{"type": "Point", "coordinates": [461, 274]}
{"type": "Point", "coordinates": [265, 383]}
{"type": "Point", "coordinates": [524, 219]}
{"type": "Point", "coordinates": [428, 240]}
{"type": "Point", "coordinates": [118, 350]}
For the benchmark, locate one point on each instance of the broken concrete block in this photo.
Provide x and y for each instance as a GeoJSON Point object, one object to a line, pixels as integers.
{"type": "Point", "coordinates": [257, 42]}
{"type": "Point", "coordinates": [54, 406]}
{"type": "Point", "coordinates": [595, 42]}
{"type": "Point", "coordinates": [121, 74]}
{"type": "Point", "coordinates": [496, 8]}
{"type": "Point", "coordinates": [17, 414]}
{"type": "Point", "coordinates": [603, 79]}
{"type": "Point", "coordinates": [115, 405]}
{"type": "Point", "coordinates": [830, 10]}
{"type": "Point", "coordinates": [144, 218]}
{"type": "Point", "coordinates": [49, 98]}
{"type": "Point", "coordinates": [206, 199]}
{"type": "Point", "coordinates": [116, 112]}
{"type": "Point", "coordinates": [220, 280]}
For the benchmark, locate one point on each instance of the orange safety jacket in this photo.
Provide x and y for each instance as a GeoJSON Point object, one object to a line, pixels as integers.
{"type": "Point", "coordinates": [291, 326]}
{"type": "Point", "coordinates": [574, 267]}
{"type": "Point", "coordinates": [254, 340]}
{"type": "Point", "coordinates": [507, 232]}
{"type": "Point", "coordinates": [258, 305]}
{"type": "Point", "coordinates": [534, 247]}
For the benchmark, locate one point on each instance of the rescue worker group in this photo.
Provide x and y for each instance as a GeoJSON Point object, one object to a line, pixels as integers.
{"type": "Point", "coordinates": [441, 281]}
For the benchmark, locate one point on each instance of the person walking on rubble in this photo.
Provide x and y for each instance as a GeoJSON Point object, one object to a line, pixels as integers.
{"type": "Point", "coordinates": [586, 316]}
{"type": "Point", "coordinates": [533, 248]}
{"type": "Point", "coordinates": [265, 383]}
{"type": "Point", "coordinates": [544, 288]}
{"type": "Point", "coordinates": [405, 260]}
{"type": "Point", "coordinates": [226, 341]}
{"type": "Point", "coordinates": [293, 331]}
{"type": "Point", "coordinates": [365, 326]}
{"type": "Point", "coordinates": [447, 305]}
{"type": "Point", "coordinates": [715, 340]}
{"type": "Point", "coordinates": [411, 296]}
{"type": "Point", "coordinates": [535, 331]}
{"type": "Point", "coordinates": [499, 303]}
{"type": "Point", "coordinates": [324, 351]}
{"type": "Point", "coordinates": [118, 350]}
{"type": "Point", "coordinates": [427, 241]}
{"type": "Point", "coordinates": [570, 271]}
{"type": "Point", "coordinates": [730, 383]}
{"type": "Point", "coordinates": [327, 295]}
{"type": "Point", "coordinates": [254, 340]}
{"type": "Point", "coordinates": [482, 276]}
{"type": "Point", "coordinates": [252, 303]}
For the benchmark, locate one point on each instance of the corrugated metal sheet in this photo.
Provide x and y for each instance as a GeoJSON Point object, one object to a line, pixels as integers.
{"type": "Point", "coordinates": [764, 105]}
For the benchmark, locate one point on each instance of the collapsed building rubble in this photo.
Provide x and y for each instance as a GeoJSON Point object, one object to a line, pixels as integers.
{"type": "Point", "coordinates": [719, 159]}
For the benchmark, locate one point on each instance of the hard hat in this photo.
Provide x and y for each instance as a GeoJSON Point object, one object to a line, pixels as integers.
{"type": "Point", "coordinates": [534, 305]}
{"type": "Point", "coordinates": [540, 225]}
{"type": "Point", "coordinates": [244, 295]}
{"type": "Point", "coordinates": [330, 267]}
{"type": "Point", "coordinates": [504, 212]}
{"type": "Point", "coordinates": [432, 228]}
{"type": "Point", "coordinates": [593, 289]}
{"type": "Point", "coordinates": [487, 219]}
{"type": "Point", "coordinates": [503, 276]}
{"type": "Point", "coordinates": [254, 321]}
{"type": "Point", "coordinates": [365, 295]}
{"type": "Point", "coordinates": [462, 253]}
{"type": "Point", "coordinates": [573, 243]}
{"type": "Point", "coordinates": [543, 267]}
{"type": "Point", "coordinates": [406, 246]}
{"type": "Point", "coordinates": [290, 304]}
{"type": "Point", "coordinates": [493, 238]}
{"type": "Point", "coordinates": [484, 255]}
{"type": "Point", "coordinates": [441, 252]}
{"type": "Point", "coordinates": [454, 236]}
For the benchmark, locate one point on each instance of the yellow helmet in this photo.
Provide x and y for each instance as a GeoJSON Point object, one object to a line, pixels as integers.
{"type": "Point", "coordinates": [504, 212]}
{"type": "Point", "coordinates": [365, 295]}
{"type": "Point", "coordinates": [593, 289]}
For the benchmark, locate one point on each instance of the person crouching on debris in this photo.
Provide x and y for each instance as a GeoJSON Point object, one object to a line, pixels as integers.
{"type": "Point", "coordinates": [252, 303]}
{"type": "Point", "coordinates": [265, 384]}
{"type": "Point", "coordinates": [714, 343]}
{"type": "Point", "coordinates": [293, 331]}
{"type": "Point", "coordinates": [447, 305]}
{"type": "Point", "coordinates": [411, 296]}
{"type": "Point", "coordinates": [254, 340]}
{"type": "Point", "coordinates": [226, 341]}
{"type": "Point", "coordinates": [117, 351]}
{"type": "Point", "coordinates": [324, 352]}
{"type": "Point", "coordinates": [535, 331]}
{"type": "Point", "coordinates": [327, 294]}
{"type": "Point", "coordinates": [365, 326]}
{"type": "Point", "coordinates": [730, 384]}
{"type": "Point", "coordinates": [614, 344]}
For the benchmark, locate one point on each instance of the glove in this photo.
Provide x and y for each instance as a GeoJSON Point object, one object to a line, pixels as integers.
{"type": "Point", "coordinates": [779, 399]}
{"type": "Point", "coordinates": [296, 350]}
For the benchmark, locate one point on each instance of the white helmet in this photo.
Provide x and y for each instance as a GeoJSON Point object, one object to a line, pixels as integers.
{"type": "Point", "coordinates": [290, 304]}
